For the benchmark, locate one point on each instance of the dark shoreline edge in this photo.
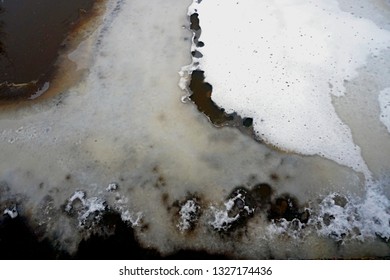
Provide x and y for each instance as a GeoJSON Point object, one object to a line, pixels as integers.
{"type": "Point", "coordinates": [19, 242]}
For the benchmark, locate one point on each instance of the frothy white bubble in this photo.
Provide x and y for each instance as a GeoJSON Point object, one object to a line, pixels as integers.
{"type": "Point", "coordinates": [280, 62]}
{"type": "Point", "coordinates": [90, 210]}
{"type": "Point", "coordinates": [135, 219]}
{"type": "Point", "coordinates": [188, 215]}
{"type": "Point", "coordinates": [223, 219]}
{"type": "Point", "coordinates": [359, 218]}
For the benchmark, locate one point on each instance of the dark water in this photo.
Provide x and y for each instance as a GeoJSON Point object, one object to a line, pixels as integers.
{"type": "Point", "coordinates": [31, 34]}
{"type": "Point", "coordinates": [18, 241]}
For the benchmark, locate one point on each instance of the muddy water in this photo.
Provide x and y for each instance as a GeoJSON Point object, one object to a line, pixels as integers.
{"type": "Point", "coordinates": [119, 142]}
{"type": "Point", "coordinates": [32, 34]}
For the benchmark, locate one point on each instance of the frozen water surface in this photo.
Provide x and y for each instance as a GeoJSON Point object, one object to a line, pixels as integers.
{"type": "Point", "coordinates": [120, 138]}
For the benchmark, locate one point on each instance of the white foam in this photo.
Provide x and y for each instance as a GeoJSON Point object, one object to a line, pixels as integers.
{"type": "Point", "coordinates": [121, 205]}
{"type": "Point", "coordinates": [78, 195]}
{"type": "Point", "coordinates": [384, 103]}
{"type": "Point", "coordinates": [224, 219]}
{"type": "Point", "coordinates": [293, 229]}
{"type": "Point", "coordinates": [134, 219]}
{"type": "Point", "coordinates": [12, 212]}
{"type": "Point", "coordinates": [188, 215]}
{"type": "Point", "coordinates": [112, 187]}
{"type": "Point", "coordinates": [91, 208]}
{"type": "Point", "coordinates": [360, 218]}
{"type": "Point", "coordinates": [279, 62]}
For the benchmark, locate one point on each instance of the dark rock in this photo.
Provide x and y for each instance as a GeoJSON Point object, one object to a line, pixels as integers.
{"type": "Point", "coordinates": [247, 122]}
{"type": "Point", "coordinates": [286, 207]}
{"type": "Point", "coordinates": [194, 19]}
{"type": "Point", "coordinates": [261, 194]}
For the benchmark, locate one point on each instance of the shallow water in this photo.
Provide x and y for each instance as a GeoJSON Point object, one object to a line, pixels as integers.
{"type": "Point", "coordinates": [120, 139]}
{"type": "Point", "coordinates": [32, 33]}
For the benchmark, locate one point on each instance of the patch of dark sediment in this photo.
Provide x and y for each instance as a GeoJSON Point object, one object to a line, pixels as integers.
{"type": "Point", "coordinates": [33, 60]}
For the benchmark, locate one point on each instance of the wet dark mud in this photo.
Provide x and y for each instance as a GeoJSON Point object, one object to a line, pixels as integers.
{"type": "Point", "coordinates": [32, 35]}
{"type": "Point", "coordinates": [115, 241]}
{"type": "Point", "coordinates": [18, 242]}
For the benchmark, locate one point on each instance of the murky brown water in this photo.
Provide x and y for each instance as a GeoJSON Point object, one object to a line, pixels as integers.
{"type": "Point", "coordinates": [31, 35]}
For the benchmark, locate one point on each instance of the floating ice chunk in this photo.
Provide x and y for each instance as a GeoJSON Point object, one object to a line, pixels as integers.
{"type": "Point", "coordinates": [12, 212]}
{"type": "Point", "coordinates": [384, 103]}
{"type": "Point", "coordinates": [280, 61]}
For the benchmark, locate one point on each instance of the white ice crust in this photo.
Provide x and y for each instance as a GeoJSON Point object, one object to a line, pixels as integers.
{"type": "Point", "coordinates": [281, 62]}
